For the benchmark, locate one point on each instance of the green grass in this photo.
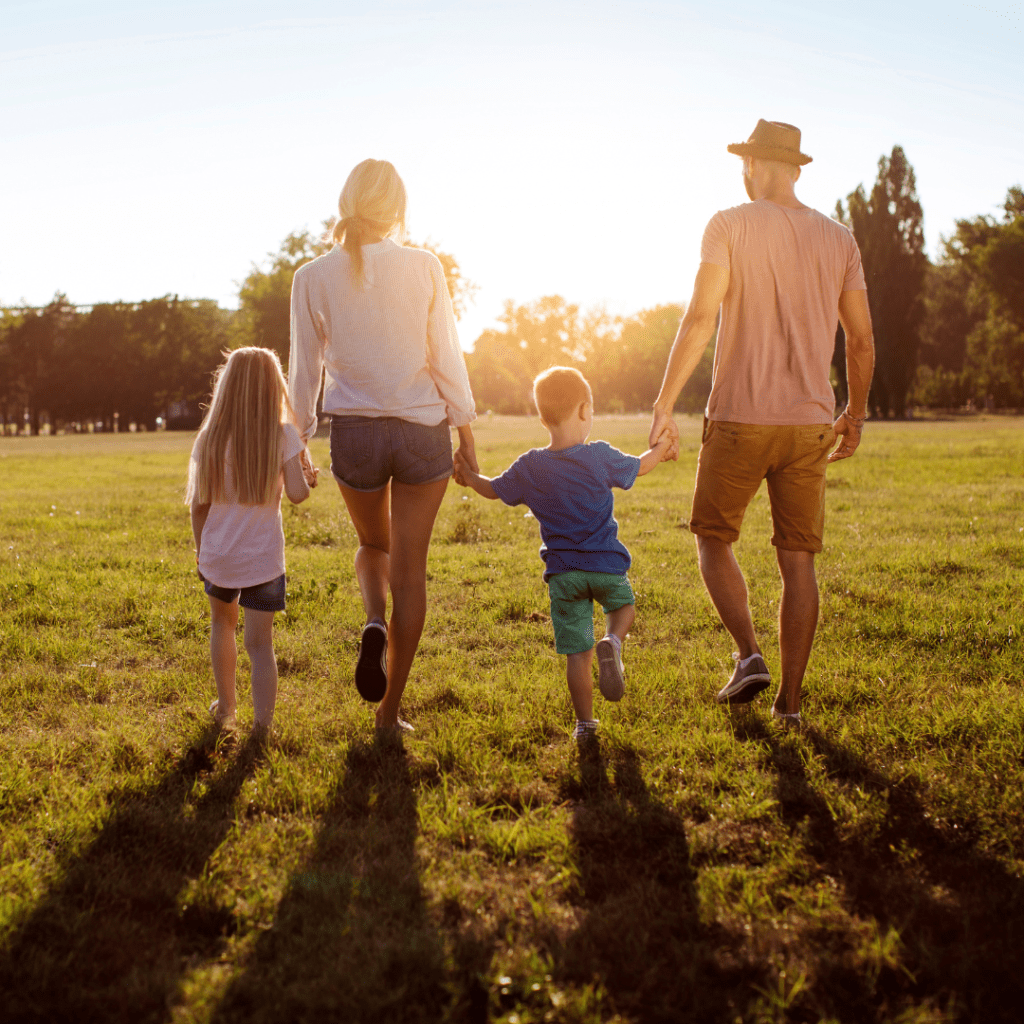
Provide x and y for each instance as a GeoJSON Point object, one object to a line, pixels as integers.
{"type": "Point", "coordinates": [699, 865]}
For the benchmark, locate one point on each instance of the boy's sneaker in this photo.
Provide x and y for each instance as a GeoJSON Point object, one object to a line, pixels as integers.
{"type": "Point", "coordinates": [585, 730]}
{"type": "Point", "coordinates": [372, 666]}
{"type": "Point", "coordinates": [610, 677]}
{"type": "Point", "coordinates": [790, 719]}
{"type": "Point", "coordinates": [749, 678]}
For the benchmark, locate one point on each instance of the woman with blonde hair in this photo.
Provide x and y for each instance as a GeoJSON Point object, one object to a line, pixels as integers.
{"type": "Point", "coordinates": [246, 452]}
{"type": "Point", "coordinates": [377, 316]}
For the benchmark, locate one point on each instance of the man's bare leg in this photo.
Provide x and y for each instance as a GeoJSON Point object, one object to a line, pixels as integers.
{"type": "Point", "coordinates": [728, 591]}
{"type": "Point", "coordinates": [798, 619]}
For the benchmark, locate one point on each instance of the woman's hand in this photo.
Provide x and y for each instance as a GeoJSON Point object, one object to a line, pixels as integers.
{"type": "Point", "coordinates": [467, 449]}
{"type": "Point", "coordinates": [309, 471]}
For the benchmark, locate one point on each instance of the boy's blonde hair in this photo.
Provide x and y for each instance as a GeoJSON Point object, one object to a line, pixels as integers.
{"type": "Point", "coordinates": [371, 203]}
{"type": "Point", "coordinates": [248, 406]}
{"type": "Point", "coordinates": [558, 393]}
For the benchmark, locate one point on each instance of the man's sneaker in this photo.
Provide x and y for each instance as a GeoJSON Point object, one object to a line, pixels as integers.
{"type": "Point", "coordinates": [372, 666]}
{"type": "Point", "coordinates": [749, 678]}
{"type": "Point", "coordinates": [585, 730]}
{"type": "Point", "coordinates": [609, 667]}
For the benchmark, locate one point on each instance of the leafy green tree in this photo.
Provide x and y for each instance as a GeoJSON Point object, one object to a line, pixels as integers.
{"type": "Point", "coordinates": [888, 226]}
{"type": "Point", "coordinates": [973, 331]}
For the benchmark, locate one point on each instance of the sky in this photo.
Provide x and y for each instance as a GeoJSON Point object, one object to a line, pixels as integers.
{"type": "Point", "coordinates": [559, 148]}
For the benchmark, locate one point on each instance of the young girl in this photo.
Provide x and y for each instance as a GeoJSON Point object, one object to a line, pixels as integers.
{"type": "Point", "coordinates": [246, 449]}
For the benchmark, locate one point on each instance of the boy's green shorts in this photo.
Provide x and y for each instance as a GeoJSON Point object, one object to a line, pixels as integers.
{"type": "Point", "coordinates": [573, 595]}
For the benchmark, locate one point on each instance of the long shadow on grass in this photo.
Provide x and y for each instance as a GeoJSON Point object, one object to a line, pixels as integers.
{"type": "Point", "coordinates": [109, 942]}
{"type": "Point", "coordinates": [351, 940]}
{"type": "Point", "coordinates": [958, 910]}
{"type": "Point", "coordinates": [642, 936]}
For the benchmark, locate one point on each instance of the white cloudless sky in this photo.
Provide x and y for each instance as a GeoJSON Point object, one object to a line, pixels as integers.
{"type": "Point", "coordinates": [554, 148]}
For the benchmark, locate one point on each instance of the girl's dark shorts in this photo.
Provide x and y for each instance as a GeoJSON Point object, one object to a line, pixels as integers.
{"type": "Point", "coordinates": [264, 597]}
{"type": "Point", "coordinates": [367, 452]}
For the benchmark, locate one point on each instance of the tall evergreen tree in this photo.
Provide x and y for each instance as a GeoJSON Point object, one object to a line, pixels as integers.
{"type": "Point", "coordinates": [888, 226]}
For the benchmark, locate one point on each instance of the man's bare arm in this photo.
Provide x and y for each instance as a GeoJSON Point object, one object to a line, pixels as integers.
{"type": "Point", "coordinates": [694, 333]}
{"type": "Point", "coordinates": [855, 316]}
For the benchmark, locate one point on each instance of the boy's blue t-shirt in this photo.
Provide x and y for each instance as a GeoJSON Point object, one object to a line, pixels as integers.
{"type": "Point", "coordinates": [569, 491]}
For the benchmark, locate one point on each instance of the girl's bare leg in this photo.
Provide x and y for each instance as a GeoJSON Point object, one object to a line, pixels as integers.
{"type": "Point", "coordinates": [259, 644]}
{"type": "Point", "coordinates": [223, 653]}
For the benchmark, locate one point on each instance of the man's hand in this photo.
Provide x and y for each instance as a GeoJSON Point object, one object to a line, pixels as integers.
{"type": "Point", "coordinates": [309, 471]}
{"type": "Point", "coordinates": [850, 432]}
{"type": "Point", "coordinates": [663, 424]}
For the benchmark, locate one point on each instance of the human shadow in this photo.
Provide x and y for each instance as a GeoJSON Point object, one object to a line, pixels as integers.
{"type": "Point", "coordinates": [351, 940]}
{"type": "Point", "coordinates": [110, 940]}
{"type": "Point", "coordinates": [958, 910]}
{"type": "Point", "coordinates": [642, 936]}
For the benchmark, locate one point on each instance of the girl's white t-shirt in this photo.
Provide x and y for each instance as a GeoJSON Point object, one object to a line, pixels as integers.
{"type": "Point", "coordinates": [243, 545]}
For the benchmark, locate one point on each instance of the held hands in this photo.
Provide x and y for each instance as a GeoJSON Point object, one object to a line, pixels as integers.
{"type": "Point", "coordinates": [850, 430]}
{"type": "Point", "coordinates": [664, 429]}
{"type": "Point", "coordinates": [668, 447]}
{"type": "Point", "coordinates": [309, 471]}
{"type": "Point", "coordinates": [462, 467]}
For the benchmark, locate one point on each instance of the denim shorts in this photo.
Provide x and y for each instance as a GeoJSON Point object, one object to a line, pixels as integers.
{"type": "Point", "coordinates": [573, 595]}
{"type": "Point", "coordinates": [367, 452]}
{"type": "Point", "coordinates": [264, 597]}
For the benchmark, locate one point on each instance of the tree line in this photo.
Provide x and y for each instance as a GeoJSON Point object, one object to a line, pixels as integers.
{"type": "Point", "coordinates": [948, 333]}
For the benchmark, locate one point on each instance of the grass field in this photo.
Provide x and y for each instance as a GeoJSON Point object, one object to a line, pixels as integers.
{"type": "Point", "coordinates": [698, 865]}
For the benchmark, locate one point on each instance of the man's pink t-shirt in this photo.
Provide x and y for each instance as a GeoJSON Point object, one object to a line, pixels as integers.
{"type": "Point", "coordinates": [787, 269]}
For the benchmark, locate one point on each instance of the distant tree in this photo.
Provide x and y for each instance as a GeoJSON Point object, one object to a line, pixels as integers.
{"type": "Point", "coordinates": [265, 295]}
{"type": "Point", "coordinates": [503, 363]}
{"type": "Point", "coordinates": [624, 359]}
{"type": "Point", "coordinates": [888, 226]}
{"type": "Point", "coordinates": [644, 342]}
{"type": "Point", "coordinates": [37, 346]}
{"type": "Point", "coordinates": [11, 410]}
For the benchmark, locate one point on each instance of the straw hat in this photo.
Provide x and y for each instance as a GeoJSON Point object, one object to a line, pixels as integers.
{"type": "Point", "coordinates": [772, 140]}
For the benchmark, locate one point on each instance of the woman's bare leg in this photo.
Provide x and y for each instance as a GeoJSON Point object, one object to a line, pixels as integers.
{"type": "Point", "coordinates": [413, 511]}
{"type": "Point", "coordinates": [371, 516]}
{"type": "Point", "coordinates": [404, 547]}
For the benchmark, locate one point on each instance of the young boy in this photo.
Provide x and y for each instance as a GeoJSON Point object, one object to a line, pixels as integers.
{"type": "Point", "coordinates": [568, 487]}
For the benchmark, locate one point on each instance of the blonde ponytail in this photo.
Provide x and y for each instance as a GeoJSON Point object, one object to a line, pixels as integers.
{"type": "Point", "coordinates": [372, 203]}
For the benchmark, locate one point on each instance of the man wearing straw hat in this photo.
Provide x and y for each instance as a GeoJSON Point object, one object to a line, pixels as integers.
{"type": "Point", "coordinates": [782, 275]}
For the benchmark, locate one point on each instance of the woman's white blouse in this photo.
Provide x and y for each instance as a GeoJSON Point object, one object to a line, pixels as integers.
{"type": "Point", "coordinates": [390, 348]}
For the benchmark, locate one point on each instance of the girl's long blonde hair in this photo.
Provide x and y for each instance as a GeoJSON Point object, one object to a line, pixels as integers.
{"type": "Point", "coordinates": [249, 404]}
{"type": "Point", "coordinates": [371, 203]}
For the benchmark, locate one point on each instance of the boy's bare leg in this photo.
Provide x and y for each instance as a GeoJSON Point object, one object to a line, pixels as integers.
{"type": "Point", "coordinates": [581, 683]}
{"type": "Point", "coordinates": [798, 619]}
{"type": "Point", "coordinates": [259, 644]}
{"type": "Point", "coordinates": [223, 653]}
{"type": "Point", "coordinates": [728, 591]}
{"type": "Point", "coordinates": [619, 621]}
